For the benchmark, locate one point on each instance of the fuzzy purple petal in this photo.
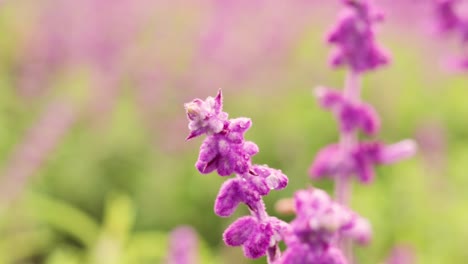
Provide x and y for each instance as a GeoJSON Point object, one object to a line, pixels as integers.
{"type": "Point", "coordinates": [258, 242]}
{"type": "Point", "coordinates": [240, 231]}
{"type": "Point", "coordinates": [326, 162]}
{"type": "Point", "coordinates": [229, 197]}
{"type": "Point", "coordinates": [396, 152]}
{"type": "Point", "coordinates": [370, 121]}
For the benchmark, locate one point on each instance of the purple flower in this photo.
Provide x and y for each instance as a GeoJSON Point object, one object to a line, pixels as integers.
{"type": "Point", "coordinates": [361, 160]}
{"type": "Point", "coordinates": [303, 253]}
{"type": "Point", "coordinates": [351, 115]}
{"type": "Point", "coordinates": [319, 219]}
{"type": "Point", "coordinates": [183, 246]}
{"type": "Point", "coordinates": [206, 116]}
{"type": "Point", "coordinates": [318, 222]}
{"type": "Point", "coordinates": [227, 152]}
{"type": "Point", "coordinates": [354, 38]}
{"type": "Point", "coordinates": [254, 236]}
{"type": "Point", "coordinates": [248, 189]}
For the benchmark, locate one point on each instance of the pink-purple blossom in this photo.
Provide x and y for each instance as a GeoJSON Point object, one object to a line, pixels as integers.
{"type": "Point", "coordinates": [354, 39]}
{"type": "Point", "coordinates": [351, 115]}
{"type": "Point", "coordinates": [226, 151]}
{"type": "Point", "coordinates": [361, 160]}
{"type": "Point", "coordinates": [318, 222]}
{"type": "Point", "coordinates": [183, 246]}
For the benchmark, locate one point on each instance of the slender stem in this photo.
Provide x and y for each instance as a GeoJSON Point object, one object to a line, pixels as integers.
{"type": "Point", "coordinates": [343, 186]}
{"type": "Point", "coordinates": [347, 140]}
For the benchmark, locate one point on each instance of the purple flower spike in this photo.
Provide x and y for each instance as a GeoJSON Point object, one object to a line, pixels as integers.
{"type": "Point", "coordinates": [354, 39]}
{"type": "Point", "coordinates": [206, 116]}
{"type": "Point", "coordinates": [255, 237]}
{"type": "Point", "coordinates": [351, 115]}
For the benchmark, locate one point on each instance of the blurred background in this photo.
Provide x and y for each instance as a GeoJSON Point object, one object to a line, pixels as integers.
{"type": "Point", "coordinates": [94, 166]}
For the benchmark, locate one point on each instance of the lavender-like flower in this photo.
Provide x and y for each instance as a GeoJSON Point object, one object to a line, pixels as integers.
{"type": "Point", "coordinates": [313, 232]}
{"type": "Point", "coordinates": [226, 151]}
{"type": "Point", "coordinates": [354, 38]}
{"type": "Point", "coordinates": [449, 21]}
{"type": "Point", "coordinates": [182, 246]}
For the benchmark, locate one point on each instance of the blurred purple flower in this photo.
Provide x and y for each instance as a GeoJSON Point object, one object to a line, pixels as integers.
{"type": "Point", "coordinates": [401, 254]}
{"type": "Point", "coordinates": [318, 222]}
{"type": "Point", "coordinates": [36, 146]}
{"type": "Point", "coordinates": [351, 115]}
{"type": "Point", "coordinates": [183, 248]}
{"type": "Point", "coordinates": [353, 36]}
{"type": "Point", "coordinates": [331, 161]}
{"type": "Point", "coordinates": [446, 17]}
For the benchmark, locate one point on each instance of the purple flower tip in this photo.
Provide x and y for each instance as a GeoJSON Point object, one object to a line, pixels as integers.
{"type": "Point", "coordinates": [205, 116]}
{"type": "Point", "coordinates": [354, 38]}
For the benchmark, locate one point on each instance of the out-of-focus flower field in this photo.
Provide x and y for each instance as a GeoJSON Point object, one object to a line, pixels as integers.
{"type": "Point", "coordinates": [94, 166]}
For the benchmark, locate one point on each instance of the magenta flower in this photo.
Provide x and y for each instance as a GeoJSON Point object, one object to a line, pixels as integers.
{"type": "Point", "coordinates": [354, 38]}
{"type": "Point", "coordinates": [351, 115]}
{"type": "Point", "coordinates": [226, 151]}
{"type": "Point", "coordinates": [361, 160]}
{"type": "Point", "coordinates": [206, 116]}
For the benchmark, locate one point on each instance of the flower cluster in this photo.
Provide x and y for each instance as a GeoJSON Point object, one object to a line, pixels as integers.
{"type": "Point", "coordinates": [354, 38]}
{"type": "Point", "coordinates": [226, 151]}
{"type": "Point", "coordinates": [318, 222]}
